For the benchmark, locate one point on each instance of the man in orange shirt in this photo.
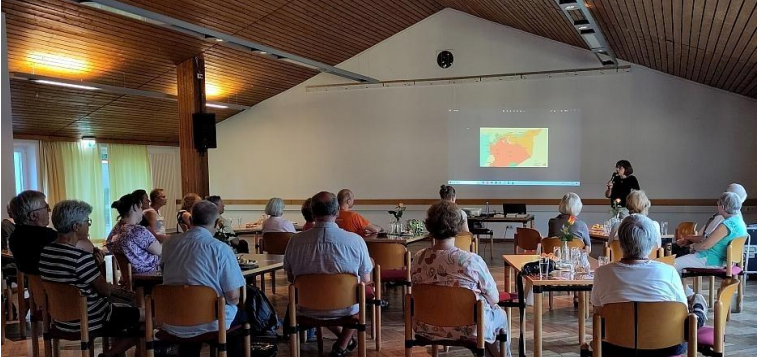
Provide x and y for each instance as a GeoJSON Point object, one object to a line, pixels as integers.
{"type": "Point", "coordinates": [352, 221]}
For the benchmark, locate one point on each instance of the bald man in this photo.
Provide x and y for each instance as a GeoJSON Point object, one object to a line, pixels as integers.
{"type": "Point", "coordinates": [352, 221]}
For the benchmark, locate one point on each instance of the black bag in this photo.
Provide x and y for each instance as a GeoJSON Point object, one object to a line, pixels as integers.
{"type": "Point", "coordinates": [533, 268]}
{"type": "Point", "coordinates": [260, 312]}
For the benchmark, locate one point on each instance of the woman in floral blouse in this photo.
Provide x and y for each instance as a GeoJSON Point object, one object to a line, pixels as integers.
{"type": "Point", "coordinates": [444, 264]}
{"type": "Point", "coordinates": [134, 241]}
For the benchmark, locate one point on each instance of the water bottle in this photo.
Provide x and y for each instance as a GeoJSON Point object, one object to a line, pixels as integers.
{"type": "Point", "coordinates": [487, 208]}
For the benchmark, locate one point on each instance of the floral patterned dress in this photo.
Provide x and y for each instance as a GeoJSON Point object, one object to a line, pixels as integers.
{"type": "Point", "coordinates": [458, 268]}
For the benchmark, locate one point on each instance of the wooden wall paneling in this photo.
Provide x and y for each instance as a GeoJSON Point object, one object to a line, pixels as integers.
{"type": "Point", "coordinates": [619, 23]}
{"type": "Point", "coordinates": [715, 32]}
{"type": "Point", "coordinates": [746, 62]}
{"type": "Point", "coordinates": [686, 23]}
{"type": "Point", "coordinates": [194, 165]}
{"type": "Point", "coordinates": [742, 36]}
{"type": "Point", "coordinates": [697, 15]}
{"type": "Point", "coordinates": [639, 26]}
{"type": "Point", "coordinates": [729, 24]}
{"type": "Point", "coordinates": [646, 11]}
{"type": "Point", "coordinates": [600, 14]}
{"type": "Point", "coordinates": [749, 81]}
{"type": "Point", "coordinates": [706, 31]}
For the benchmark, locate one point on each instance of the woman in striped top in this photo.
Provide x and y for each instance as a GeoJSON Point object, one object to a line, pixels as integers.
{"type": "Point", "coordinates": [62, 262]}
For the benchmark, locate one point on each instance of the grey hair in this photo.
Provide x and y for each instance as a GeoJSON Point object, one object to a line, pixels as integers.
{"type": "Point", "coordinates": [324, 204]}
{"type": "Point", "coordinates": [638, 202]}
{"type": "Point", "coordinates": [731, 202]}
{"type": "Point", "coordinates": [69, 212]}
{"type": "Point", "coordinates": [637, 235]}
{"type": "Point", "coordinates": [25, 203]}
{"type": "Point", "coordinates": [204, 213]}
{"type": "Point", "coordinates": [571, 204]}
{"type": "Point", "coordinates": [275, 207]}
{"type": "Point", "coordinates": [738, 190]}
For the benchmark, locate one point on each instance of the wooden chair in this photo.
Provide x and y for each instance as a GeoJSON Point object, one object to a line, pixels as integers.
{"type": "Point", "coordinates": [477, 232]}
{"type": "Point", "coordinates": [644, 326]}
{"type": "Point", "coordinates": [734, 266]}
{"type": "Point", "coordinates": [685, 229]}
{"type": "Point", "coordinates": [325, 292]}
{"type": "Point", "coordinates": [467, 242]}
{"type": "Point", "coordinates": [39, 317]}
{"type": "Point", "coordinates": [392, 264]}
{"type": "Point", "coordinates": [526, 239]}
{"type": "Point", "coordinates": [124, 267]}
{"type": "Point", "coordinates": [197, 305]}
{"type": "Point", "coordinates": [64, 303]}
{"type": "Point", "coordinates": [275, 243]}
{"type": "Point", "coordinates": [711, 340]}
{"type": "Point", "coordinates": [615, 253]}
{"type": "Point", "coordinates": [447, 306]}
{"type": "Point", "coordinates": [668, 259]}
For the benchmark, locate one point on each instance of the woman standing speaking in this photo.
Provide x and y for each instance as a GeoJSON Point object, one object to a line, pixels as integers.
{"type": "Point", "coordinates": [621, 183]}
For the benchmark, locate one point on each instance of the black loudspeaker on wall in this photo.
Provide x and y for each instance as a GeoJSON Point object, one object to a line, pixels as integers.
{"type": "Point", "coordinates": [204, 125]}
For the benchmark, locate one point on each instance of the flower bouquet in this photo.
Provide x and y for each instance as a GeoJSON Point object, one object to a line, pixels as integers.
{"type": "Point", "coordinates": [616, 208]}
{"type": "Point", "coordinates": [397, 227]}
{"type": "Point", "coordinates": [397, 213]}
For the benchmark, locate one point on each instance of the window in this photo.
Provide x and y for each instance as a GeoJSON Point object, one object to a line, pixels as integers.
{"type": "Point", "coordinates": [18, 162]}
{"type": "Point", "coordinates": [25, 165]}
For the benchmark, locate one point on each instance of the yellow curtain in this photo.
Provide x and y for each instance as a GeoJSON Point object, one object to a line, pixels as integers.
{"type": "Point", "coordinates": [128, 170]}
{"type": "Point", "coordinates": [72, 171]}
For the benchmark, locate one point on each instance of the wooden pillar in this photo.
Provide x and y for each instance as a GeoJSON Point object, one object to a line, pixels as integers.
{"type": "Point", "coordinates": [190, 80]}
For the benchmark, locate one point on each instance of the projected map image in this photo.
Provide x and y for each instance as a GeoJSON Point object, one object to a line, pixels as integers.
{"type": "Point", "coordinates": [514, 147]}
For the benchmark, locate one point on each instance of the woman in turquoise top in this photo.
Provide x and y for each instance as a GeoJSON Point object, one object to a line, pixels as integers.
{"type": "Point", "coordinates": [711, 253]}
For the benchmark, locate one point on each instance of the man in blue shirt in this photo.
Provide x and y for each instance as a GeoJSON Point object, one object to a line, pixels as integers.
{"type": "Point", "coordinates": [328, 249]}
{"type": "Point", "coordinates": [196, 258]}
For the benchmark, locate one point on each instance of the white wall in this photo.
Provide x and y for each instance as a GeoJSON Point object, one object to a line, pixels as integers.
{"type": "Point", "coordinates": [684, 139]}
{"type": "Point", "coordinates": [6, 131]}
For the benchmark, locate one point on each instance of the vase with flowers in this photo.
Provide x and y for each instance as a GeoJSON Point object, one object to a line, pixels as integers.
{"type": "Point", "coordinates": [396, 227]}
{"type": "Point", "coordinates": [566, 236]}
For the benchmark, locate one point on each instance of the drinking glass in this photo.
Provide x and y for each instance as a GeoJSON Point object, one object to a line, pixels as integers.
{"type": "Point", "coordinates": [544, 268]}
{"type": "Point", "coordinates": [603, 260]}
{"type": "Point", "coordinates": [575, 256]}
{"type": "Point", "coordinates": [664, 228]}
{"type": "Point", "coordinates": [557, 252]}
{"type": "Point", "coordinates": [239, 220]}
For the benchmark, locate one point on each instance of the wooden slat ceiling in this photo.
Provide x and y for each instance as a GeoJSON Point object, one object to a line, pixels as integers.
{"type": "Point", "coordinates": [712, 42]}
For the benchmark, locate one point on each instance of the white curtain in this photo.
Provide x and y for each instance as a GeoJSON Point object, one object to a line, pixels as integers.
{"type": "Point", "coordinates": [166, 174]}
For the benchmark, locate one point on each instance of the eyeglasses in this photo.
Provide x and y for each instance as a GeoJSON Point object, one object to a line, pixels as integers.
{"type": "Point", "coordinates": [89, 222]}
{"type": "Point", "coordinates": [47, 207]}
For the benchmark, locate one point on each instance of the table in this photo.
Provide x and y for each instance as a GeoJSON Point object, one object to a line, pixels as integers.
{"type": "Point", "coordinates": [582, 283]}
{"type": "Point", "coordinates": [257, 234]}
{"type": "Point", "coordinates": [602, 236]}
{"type": "Point", "coordinates": [524, 219]}
{"type": "Point", "coordinates": [267, 263]}
{"type": "Point", "coordinates": [404, 240]}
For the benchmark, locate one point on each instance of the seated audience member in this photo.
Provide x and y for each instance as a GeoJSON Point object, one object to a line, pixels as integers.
{"type": "Point", "coordinates": [132, 240]}
{"type": "Point", "coordinates": [637, 278]}
{"type": "Point", "coordinates": [223, 226]}
{"type": "Point", "coordinates": [637, 203]}
{"type": "Point", "coordinates": [307, 214]}
{"type": "Point", "coordinates": [195, 257]}
{"type": "Point", "coordinates": [715, 220]}
{"type": "Point", "coordinates": [155, 221]}
{"type": "Point", "coordinates": [275, 222]}
{"type": "Point", "coordinates": [31, 213]}
{"type": "Point", "coordinates": [327, 249]}
{"type": "Point", "coordinates": [447, 193]}
{"type": "Point", "coordinates": [352, 221]}
{"type": "Point", "coordinates": [144, 198]}
{"type": "Point", "coordinates": [7, 226]}
{"type": "Point", "coordinates": [570, 205]}
{"type": "Point", "coordinates": [62, 262]}
{"type": "Point", "coordinates": [446, 265]}
{"type": "Point", "coordinates": [711, 253]}
{"type": "Point", "coordinates": [184, 216]}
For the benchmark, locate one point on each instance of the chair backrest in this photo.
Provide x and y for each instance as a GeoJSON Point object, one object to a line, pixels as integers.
{"type": "Point", "coordinates": [645, 325]}
{"type": "Point", "coordinates": [326, 291]}
{"type": "Point", "coordinates": [527, 238]}
{"type": "Point", "coordinates": [735, 251]}
{"type": "Point", "coordinates": [388, 255]}
{"type": "Point", "coordinates": [722, 308]}
{"type": "Point", "coordinates": [64, 302]}
{"type": "Point", "coordinates": [667, 259]}
{"type": "Point", "coordinates": [37, 289]}
{"type": "Point", "coordinates": [616, 253]}
{"type": "Point", "coordinates": [184, 305]}
{"type": "Point", "coordinates": [548, 244]}
{"type": "Point", "coordinates": [276, 242]}
{"type": "Point", "coordinates": [125, 267]}
{"type": "Point", "coordinates": [685, 229]}
{"type": "Point", "coordinates": [464, 241]}
{"type": "Point", "coordinates": [447, 306]}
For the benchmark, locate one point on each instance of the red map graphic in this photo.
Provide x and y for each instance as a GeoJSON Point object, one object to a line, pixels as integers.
{"type": "Point", "coordinates": [506, 154]}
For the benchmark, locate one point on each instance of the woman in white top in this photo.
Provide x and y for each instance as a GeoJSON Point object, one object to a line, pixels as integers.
{"type": "Point", "coordinates": [184, 216]}
{"type": "Point", "coordinates": [637, 203]}
{"type": "Point", "coordinates": [715, 220]}
{"type": "Point", "coordinates": [447, 193]}
{"type": "Point", "coordinates": [155, 220]}
{"type": "Point", "coordinates": [275, 223]}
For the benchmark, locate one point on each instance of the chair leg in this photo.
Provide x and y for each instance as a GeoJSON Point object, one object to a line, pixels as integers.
{"type": "Point", "coordinates": [35, 338]}
{"type": "Point", "coordinates": [434, 350]}
{"type": "Point", "coordinates": [740, 294]}
{"type": "Point", "coordinates": [303, 336]}
{"type": "Point", "coordinates": [319, 335]}
{"type": "Point", "coordinates": [273, 282]}
{"type": "Point", "coordinates": [213, 351]}
{"type": "Point", "coordinates": [491, 249]}
{"type": "Point", "coordinates": [373, 322]}
{"type": "Point", "coordinates": [711, 292]}
{"type": "Point", "coordinates": [698, 284]}
{"type": "Point", "coordinates": [551, 300]}
{"type": "Point", "coordinates": [56, 348]}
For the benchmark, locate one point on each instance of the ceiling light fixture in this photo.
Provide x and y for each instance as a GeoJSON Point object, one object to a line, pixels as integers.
{"type": "Point", "coordinates": [219, 106]}
{"type": "Point", "coordinates": [67, 85]}
{"type": "Point", "coordinates": [571, 7]}
{"type": "Point", "coordinates": [88, 141]}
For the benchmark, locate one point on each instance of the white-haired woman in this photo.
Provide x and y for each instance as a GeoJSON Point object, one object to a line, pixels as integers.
{"type": "Point", "coordinates": [711, 253]}
{"type": "Point", "coordinates": [275, 222]}
{"type": "Point", "coordinates": [715, 220]}
{"type": "Point", "coordinates": [637, 203]}
{"type": "Point", "coordinates": [570, 205]}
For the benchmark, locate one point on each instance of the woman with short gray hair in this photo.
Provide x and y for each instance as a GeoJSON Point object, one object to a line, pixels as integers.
{"type": "Point", "coordinates": [711, 253]}
{"type": "Point", "coordinates": [637, 203]}
{"type": "Point", "coordinates": [570, 205]}
{"type": "Point", "coordinates": [275, 222]}
{"type": "Point", "coordinates": [31, 213]}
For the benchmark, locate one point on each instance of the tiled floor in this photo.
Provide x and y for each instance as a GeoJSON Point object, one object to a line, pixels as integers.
{"type": "Point", "coordinates": [560, 326]}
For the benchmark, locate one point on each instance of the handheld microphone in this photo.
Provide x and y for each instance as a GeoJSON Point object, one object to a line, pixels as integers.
{"type": "Point", "coordinates": [612, 179]}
